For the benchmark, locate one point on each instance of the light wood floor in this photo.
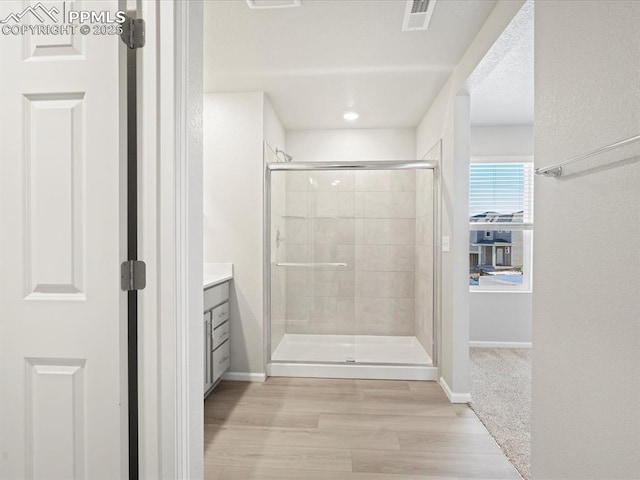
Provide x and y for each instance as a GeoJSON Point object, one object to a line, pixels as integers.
{"type": "Point", "coordinates": [325, 429]}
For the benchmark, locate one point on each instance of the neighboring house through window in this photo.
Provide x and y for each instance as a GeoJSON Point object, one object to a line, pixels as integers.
{"type": "Point", "coordinates": [500, 224]}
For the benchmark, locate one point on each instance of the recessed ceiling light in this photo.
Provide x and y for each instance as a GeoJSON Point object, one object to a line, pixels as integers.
{"type": "Point", "coordinates": [351, 116]}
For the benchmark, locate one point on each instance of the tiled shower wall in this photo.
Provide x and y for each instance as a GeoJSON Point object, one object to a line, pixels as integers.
{"type": "Point", "coordinates": [366, 219]}
{"type": "Point", "coordinates": [424, 242]}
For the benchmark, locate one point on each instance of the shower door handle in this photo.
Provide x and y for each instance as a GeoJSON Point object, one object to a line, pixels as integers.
{"type": "Point", "coordinates": [297, 264]}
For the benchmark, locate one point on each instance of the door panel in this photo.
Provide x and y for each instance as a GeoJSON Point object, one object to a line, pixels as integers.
{"type": "Point", "coordinates": [63, 383]}
{"type": "Point", "coordinates": [54, 203]}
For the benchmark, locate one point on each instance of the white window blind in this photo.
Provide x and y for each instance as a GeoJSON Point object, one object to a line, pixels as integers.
{"type": "Point", "coordinates": [501, 193]}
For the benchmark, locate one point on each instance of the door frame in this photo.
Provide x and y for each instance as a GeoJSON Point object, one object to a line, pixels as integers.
{"type": "Point", "coordinates": [172, 417]}
{"type": "Point", "coordinates": [170, 225]}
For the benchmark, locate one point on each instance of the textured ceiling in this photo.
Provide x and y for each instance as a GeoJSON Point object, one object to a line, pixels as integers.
{"type": "Point", "coordinates": [327, 56]}
{"type": "Point", "coordinates": [501, 88]}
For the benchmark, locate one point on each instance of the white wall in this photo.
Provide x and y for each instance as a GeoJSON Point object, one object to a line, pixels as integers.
{"type": "Point", "coordinates": [501, 317]}
{"type": "Point", "coordinates": [235, 125]}
{"type": "Point", "coordinates": [352, 144]}
{"type": "Point", "coordinates": [586, 300]}
{"type": "Point", "coordinates": [273, 131]}
{"type": "Point", "coordinates": [489, 141]}
{"type": "Point", "coordinates": [448, 119]}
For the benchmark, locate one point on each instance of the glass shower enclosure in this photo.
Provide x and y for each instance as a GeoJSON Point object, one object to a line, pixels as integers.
{"type": "Point", "coordinates": [351, 268]}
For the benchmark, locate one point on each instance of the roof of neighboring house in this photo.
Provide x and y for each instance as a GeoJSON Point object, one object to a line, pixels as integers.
{"type": "Point", "coordinates": [495, 217]}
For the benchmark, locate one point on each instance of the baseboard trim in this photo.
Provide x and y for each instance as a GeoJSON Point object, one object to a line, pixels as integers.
{"type": "Point", "coordinates": [454, 397]}
{"type": "Point", "coordinates": [244, 377]}
{"type": "Point", "coordinates": [377, 372]}
{"type": "Point", "coordinates": [500, 344]}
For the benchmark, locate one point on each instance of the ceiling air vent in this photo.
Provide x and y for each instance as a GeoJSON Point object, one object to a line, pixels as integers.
{"type": "Point", "coordinates": [417, 15]}
{"type": "Point", "coordinates": [273, 3]}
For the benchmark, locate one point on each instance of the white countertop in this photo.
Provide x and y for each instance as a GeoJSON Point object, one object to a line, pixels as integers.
{"type": "Point", "coordinates": [215, 273]}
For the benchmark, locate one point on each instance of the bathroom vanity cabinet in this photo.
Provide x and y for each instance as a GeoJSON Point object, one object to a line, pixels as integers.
{"type": "Point", "coordinates": [217, 330]}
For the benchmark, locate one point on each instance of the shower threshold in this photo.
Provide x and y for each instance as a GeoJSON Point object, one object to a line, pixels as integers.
{"type": "Point", "coordinates": [352, 356]}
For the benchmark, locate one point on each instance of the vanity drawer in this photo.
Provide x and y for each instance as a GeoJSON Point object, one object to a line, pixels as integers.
{"type": "Point", "coordinates": [220, 360]}
{"type": "Point", "coordinates": [220, 314]}
{"type": "Point", "coordinates": [216, 295]}
{"type": "Point", "coordinates": [220, 335]}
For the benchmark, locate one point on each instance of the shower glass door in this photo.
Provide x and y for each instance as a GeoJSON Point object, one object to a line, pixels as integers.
{"type": "Point", "coordinates": [353, 262]}
{"type": "Point", "coordinates": [312, 261]}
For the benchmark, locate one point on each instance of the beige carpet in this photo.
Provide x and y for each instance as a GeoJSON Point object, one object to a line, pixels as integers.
{"type": "Point", "coordinates": [501, 393]}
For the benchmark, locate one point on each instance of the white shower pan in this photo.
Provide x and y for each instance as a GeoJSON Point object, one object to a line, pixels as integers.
{"type": "Point", "coordinates": [352, 356]}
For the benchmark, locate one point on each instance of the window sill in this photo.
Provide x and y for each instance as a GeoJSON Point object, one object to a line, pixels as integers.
{"type": "Point", "coordinates": [493, 290]}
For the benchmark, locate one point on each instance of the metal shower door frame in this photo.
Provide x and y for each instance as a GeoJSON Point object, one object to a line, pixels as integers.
{"type": "Point", "coordinates": [347, 166]}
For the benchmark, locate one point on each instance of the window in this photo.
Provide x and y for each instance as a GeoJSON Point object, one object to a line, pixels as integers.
{"type": "Point", "coordinates": [500, 224]}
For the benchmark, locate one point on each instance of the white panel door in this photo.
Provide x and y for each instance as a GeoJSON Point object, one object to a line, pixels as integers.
{"type": "Point", "coordinates": [63, 385]}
